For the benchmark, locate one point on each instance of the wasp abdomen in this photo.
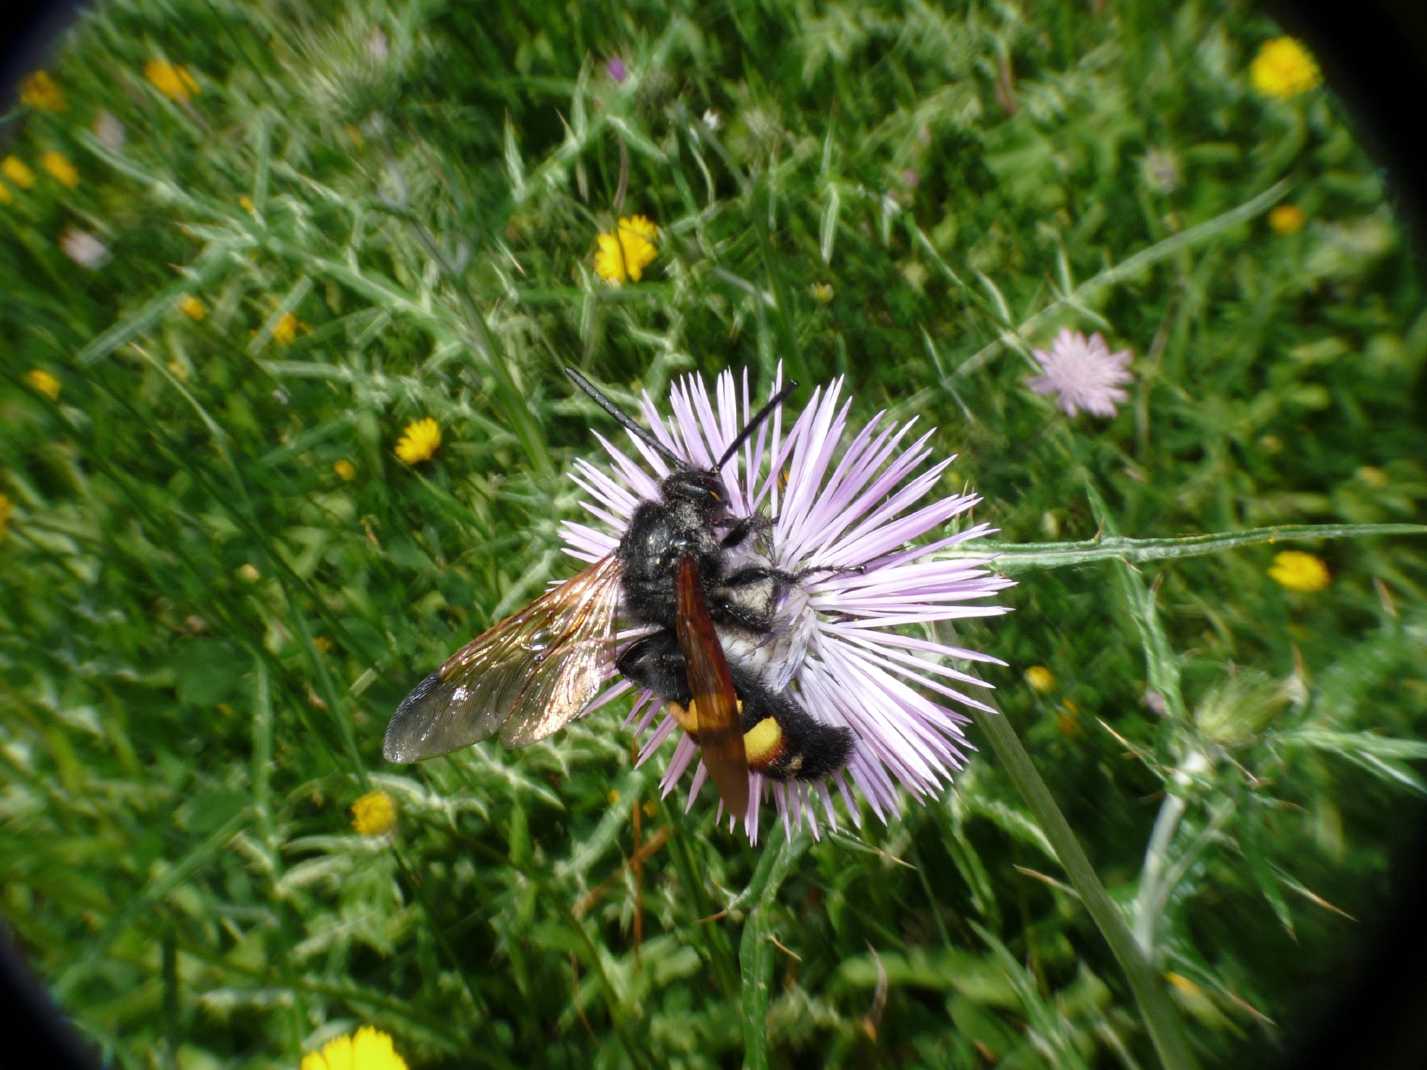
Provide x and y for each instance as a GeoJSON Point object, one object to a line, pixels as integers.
{"type": "Point", "coordinates": [781, 739]}
{"type": "Point", "coordinates": [785, 742]}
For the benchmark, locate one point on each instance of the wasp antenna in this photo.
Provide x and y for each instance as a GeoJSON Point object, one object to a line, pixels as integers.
{"type": "Point", "coordinates": [752, 425]}
{"type": "Point", "coordinates": [622, 418]}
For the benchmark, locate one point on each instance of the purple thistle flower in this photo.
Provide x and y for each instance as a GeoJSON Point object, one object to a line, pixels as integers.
{"type": "Point", "coordinates": [838, 500]}
{"type": "Point", "coordinates": [1083, 373]}
{"type": "Point", "coordinates": [616, 70]}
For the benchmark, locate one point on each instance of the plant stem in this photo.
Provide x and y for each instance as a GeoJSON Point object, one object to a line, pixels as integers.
{"type": "Point", "coordinates": [1153, 889]}
{"type": "Point", "coordinates": [1021, 557]}
{"type": "Point", "coordinates": [1160, 1017]}
{"type": "Point", "coordinates": [1156, 854]}
{"type": "Point", "coordinates": [755, 949]}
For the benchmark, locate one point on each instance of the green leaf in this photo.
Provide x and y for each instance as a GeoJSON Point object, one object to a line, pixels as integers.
{"type": "Point", "coordinates": [208, 671]}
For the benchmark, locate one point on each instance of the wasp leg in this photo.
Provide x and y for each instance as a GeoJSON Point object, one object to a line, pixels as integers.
{"type": "Point", "coordinates": [856, 570]}
{"type": "Point", "coordinates": [752, 574]}
{"type": "Point", "coordinates": [742, 529]}
{"type": "Point", "coordinates": [749, 597]}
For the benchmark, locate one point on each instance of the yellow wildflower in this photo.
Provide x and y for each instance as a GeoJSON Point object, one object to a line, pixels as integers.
{"type": "Point", "coordinates": [60, 169]}
{"type": "Point", "coordinates": [419, 442]}
{"type": "Point", "coordinates": [1287, 219]}
{"type": "Point", "coordinates": [285, 330]}
{"type": "Point", "coordinates": [822, 292]}
{"type": "Point", "coordinates": [626, 257]}
{"type": "Point", "coordinates": [1040, 678]}
{"type": "Point", "coordinates": [345, 469]}
{"type": "Point", "coordinates": [374, 814]}
{"type": "Point", "coordinates": [1283, 68]}
{"type": "Point", "coordinates": [173, 80]}
{"type": "Point", "coordinates": [44, 382]}
{"type": "Point", "coordinates": [1184, 984]}
{"type": "Point", "coordinates": [1373, 476]}
{"type": "Point", "coordinates": [1299, 571]}
{"type": "Point", "coordinates": [246, 204]}
{"type": "Point", "coordinates": [14, 168]}
{"type": "Point", "coordinates": [6, 197]}
{"type": "Point", "coordinates": [249, 573]}
{"type": "Point", "coordinates": [40, 92]}
{"type": "Point", "coordinates": [192, 307]}
{"type": "Point", "coordinates": [6, 508]}
{"type": "Point", "coordinates": [366, 1049]}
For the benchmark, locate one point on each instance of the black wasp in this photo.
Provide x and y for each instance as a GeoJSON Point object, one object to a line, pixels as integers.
{"type": "Point", "coordinates": [682, 566]}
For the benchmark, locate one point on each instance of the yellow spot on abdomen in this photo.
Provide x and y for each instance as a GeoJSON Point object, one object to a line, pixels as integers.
{"type": "Point", "coordinates": [762, 742]}
{"type": "Point", "coordinates": [688, 718]}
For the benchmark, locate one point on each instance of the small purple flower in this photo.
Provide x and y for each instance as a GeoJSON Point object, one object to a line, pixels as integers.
{"type": "Point", "coordinates": [378, 48]}
{"type": "Point", "coordinates": [1083, 373]}
{"type": "Point", "coordinates": [617, 71]}
{"type": "Point", "coordinates": [83, 248]}
{"type": "Point", "coordinates": [109, 131]}
{"type": "Point", "coordinates": [844, 501]}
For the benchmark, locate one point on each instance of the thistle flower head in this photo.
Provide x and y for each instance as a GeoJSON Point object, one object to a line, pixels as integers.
{"type": "Point", "coordinates": [848, 510]}
{"type": "Point", "coordinates": [1082, 373]}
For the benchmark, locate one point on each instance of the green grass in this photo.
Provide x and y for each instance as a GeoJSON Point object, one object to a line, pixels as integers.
{"type": "Point", "coordinates": [203, 628]}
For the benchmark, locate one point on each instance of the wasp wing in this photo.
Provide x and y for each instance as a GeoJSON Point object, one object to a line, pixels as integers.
{"type": "Point", "coordinates": [525, 676]}
{"type": "Point", "coordinates": [715, 702]}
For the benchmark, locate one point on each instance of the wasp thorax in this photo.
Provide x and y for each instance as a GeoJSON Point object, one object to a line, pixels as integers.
{"type": "Point", "coordinates": [773, 654]}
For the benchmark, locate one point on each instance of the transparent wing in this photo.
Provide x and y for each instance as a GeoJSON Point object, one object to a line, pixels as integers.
{"type": "Point", "coordinates": [714, 707]}
{"type": "Point", "coordinates": [525, 676]}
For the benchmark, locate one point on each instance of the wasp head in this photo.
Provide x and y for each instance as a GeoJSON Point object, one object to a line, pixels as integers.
{"type": "Point", "coordinates": [702, 487]}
